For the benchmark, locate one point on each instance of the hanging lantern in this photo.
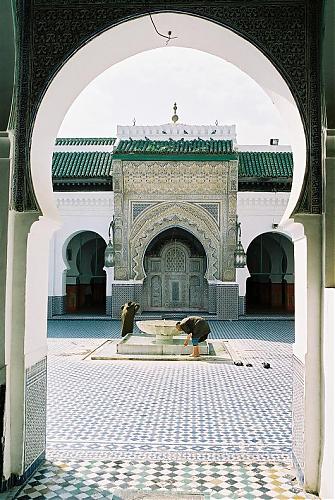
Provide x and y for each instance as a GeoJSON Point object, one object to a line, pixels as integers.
{"type": "Point", "coordinates": [110, 252]}
{"type": "Point", "coordinates": [109, 255]}
{"type": "Point", "coordinates": [240, 257]}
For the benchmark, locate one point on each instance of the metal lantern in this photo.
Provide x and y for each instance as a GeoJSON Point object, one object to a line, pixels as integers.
{"type": "Point", "coordinates": [240, 257]}
{"type": "Point", "coordinates": [109, 255]}
{"type": "Point", "coordinates": [110, 251]}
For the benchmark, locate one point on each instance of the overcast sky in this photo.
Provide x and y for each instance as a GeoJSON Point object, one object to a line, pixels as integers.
{"type": "Point", "coordinates": [145, 86]}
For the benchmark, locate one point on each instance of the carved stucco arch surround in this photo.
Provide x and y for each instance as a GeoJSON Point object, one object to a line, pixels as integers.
{"type": "Point", "coordinates": [278, 41]}
{"type": "Point", "coordinates": [163, 216]}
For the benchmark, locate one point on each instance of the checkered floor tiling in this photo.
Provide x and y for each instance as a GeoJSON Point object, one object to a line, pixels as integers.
{"type": "Point", "coordinates": [116, 480]}
{"type": "Point", "coordinates": [117, 428]}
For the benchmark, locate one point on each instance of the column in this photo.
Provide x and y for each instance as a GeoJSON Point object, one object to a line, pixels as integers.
{"type": "Point", "coordinates": [242, 274]}
{"type": "Point", "coordinates": [26, 341]}
{"type": "Point", "coordinates": [109, 280]}
{"type": "Point", "coordinates": [307, 351]}
{"type": "Point", "coordinates": [4, 203]}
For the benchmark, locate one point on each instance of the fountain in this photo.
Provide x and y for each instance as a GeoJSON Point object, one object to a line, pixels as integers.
{"type": "Point", "coordinates": [164, 330]}
{"type": "Point", "coordinates": [167, 340]}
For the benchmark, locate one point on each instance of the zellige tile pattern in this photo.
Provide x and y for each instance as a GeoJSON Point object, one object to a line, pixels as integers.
{"type": "Point", "coordinates": [116, 428]}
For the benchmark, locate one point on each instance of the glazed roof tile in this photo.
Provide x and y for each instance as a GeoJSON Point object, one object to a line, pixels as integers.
{"type": "Point", "coordinates": [179, 147]}
{"type": "Point", "coordinates": [84, 165]}
{"type": "Point", "coordinates": [85, 141]}
{"type": "Point", "coordinates": [265, 164]}
{"type": "Point", "coordinates": [99, 164]}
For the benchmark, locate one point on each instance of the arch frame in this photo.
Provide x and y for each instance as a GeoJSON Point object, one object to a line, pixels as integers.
{"type": "Point", "coordinates": [165, 216]}
{"type": "Point", "coordinates": [296, 58]}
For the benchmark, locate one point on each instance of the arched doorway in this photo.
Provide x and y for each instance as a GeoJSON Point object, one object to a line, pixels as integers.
{"type": "Point", "coordinates": [175, 264]}
{"type": "Point", "coordinates": [270, 287]}
{"type": "Point", "coordinates": [85, 277]}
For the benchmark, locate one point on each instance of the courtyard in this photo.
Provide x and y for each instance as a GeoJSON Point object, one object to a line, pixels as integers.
{"type": "Point", "coordinates": [166, 429]}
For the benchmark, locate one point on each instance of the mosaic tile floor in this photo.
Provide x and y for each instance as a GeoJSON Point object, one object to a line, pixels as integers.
{"type": "Point", "coordinates": [206, 429]}
{"type": "Point", "coordinates": [117, 480]}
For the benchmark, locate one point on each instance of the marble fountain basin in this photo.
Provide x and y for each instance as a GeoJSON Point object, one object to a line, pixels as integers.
{"type": "Point", "coordinates": [162, 339]}
{"type": "Point", "coordinates": [164, 329]}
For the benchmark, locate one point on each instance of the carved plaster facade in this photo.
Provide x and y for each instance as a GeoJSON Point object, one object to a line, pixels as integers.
{"type": "Point", "coordinates": [153, 196]}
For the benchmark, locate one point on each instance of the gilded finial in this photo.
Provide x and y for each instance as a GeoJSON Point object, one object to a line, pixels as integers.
{"type": "Point", "coordinates": [175, 117]}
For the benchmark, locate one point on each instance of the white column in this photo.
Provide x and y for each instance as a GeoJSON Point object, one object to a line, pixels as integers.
{"type": "Point", "coordinates": [4, 204]}
{"type": "Point", "coordinates": [242, 274]}
{"type": "Point", "coordinates": [308, 265]}
{"type": "Point", "coordinates": [18, 229]}
{"type": "Point", "coordinates": [109, 280]}
{"type": "Point", "coordinates": [36, 304]}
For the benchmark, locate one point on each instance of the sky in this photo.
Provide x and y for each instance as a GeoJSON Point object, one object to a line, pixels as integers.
{"type": "Point", "coordinates": [145, 87]}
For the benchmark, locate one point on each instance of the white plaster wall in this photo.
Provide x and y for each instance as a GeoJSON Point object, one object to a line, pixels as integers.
{"type": "Point", "coordinates": [264, 147]}
{"type": "Point", "coordinates": [83, 211]}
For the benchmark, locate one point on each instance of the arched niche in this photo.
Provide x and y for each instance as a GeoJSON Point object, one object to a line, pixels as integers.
{"type": "Point", "coordinates": [167, 215]}
{"type": "Point", "coordinates": [175, 264]}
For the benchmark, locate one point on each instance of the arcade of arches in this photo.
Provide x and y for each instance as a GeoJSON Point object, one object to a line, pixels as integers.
{"type": "Point", "coordinates": [281, 43]}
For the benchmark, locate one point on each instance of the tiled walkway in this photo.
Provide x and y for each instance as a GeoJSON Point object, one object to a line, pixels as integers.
{"type": "Point", "coordinates": [130, 429]}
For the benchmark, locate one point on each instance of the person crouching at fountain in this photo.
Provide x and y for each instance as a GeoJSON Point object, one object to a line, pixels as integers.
{"type": "Point", "coordinates": [127, 317]}
{"type": "Point", "coordinates": [197, 330]}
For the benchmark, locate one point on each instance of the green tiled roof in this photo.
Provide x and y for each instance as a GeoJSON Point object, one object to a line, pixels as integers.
{"type": "Point", "coordinates": [81, 165]}
{"type": "Point", "coordinates": [94, 165]}
{"type": "Point", "coordinates": [265, 164]}
{"type": "Point", "coordinates": [85, 141]}
{"type": "Point", "coordinates": [179, 147]}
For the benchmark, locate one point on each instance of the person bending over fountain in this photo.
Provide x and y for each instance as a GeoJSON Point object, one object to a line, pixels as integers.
{"type": "Point", "coordinates": [127, 317]}
{"type": "Point", "coordinates": [197, 329]}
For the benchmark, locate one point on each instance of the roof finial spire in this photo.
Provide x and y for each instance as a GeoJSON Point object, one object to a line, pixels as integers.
{"type": "Point", "coordinates": [175, 117]}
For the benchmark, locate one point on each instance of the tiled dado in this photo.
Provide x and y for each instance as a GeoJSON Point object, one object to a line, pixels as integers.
{"type": "Point", "coordinates": [56, 306]}
{"type": "Point", "coordinates": [35, 414]}
{"type": "Point", "coordinates": [122, 293]}
{"type": "Point", "coordinates": [241, 305]}
{"type": "Point", "coordinates": [108, 305]}
{"type": "Point", "coordinates": [298, 417]}
{"type": "Point", "coordinates": [227, 301]}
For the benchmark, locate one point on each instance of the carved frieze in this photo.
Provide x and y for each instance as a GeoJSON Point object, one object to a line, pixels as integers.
{"type": "Point", "coordinates": [175, 177]}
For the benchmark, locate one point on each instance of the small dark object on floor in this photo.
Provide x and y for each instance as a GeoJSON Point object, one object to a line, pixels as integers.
{"type": "Point", "coordinates": [266, 365]}
{"type": "Point", "coordinates": [248, 364]}
{"type": "Point", "coordinates": [238, 363]}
